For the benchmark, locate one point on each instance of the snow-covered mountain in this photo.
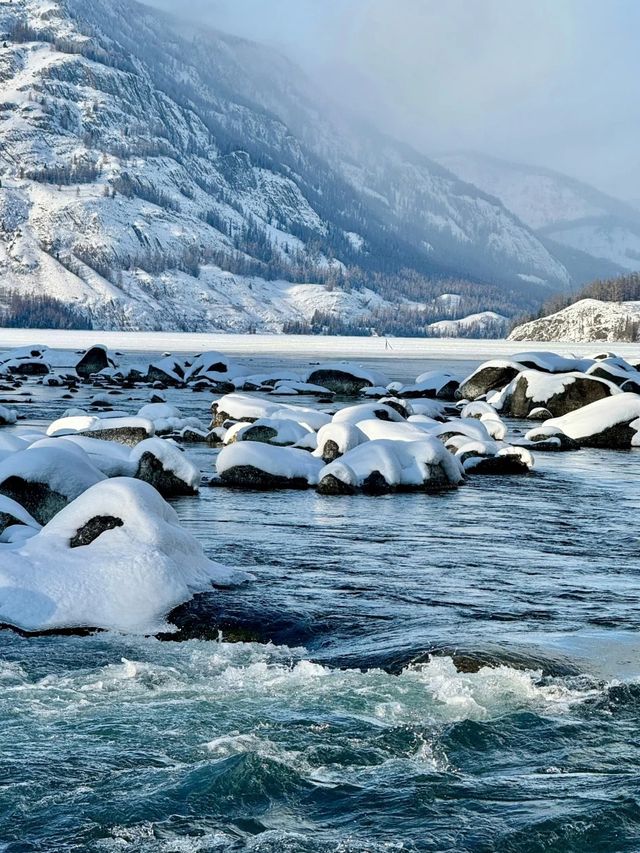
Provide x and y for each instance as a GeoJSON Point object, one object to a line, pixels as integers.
{"type": "Point", "coordinates": [156, 176]}
{"type": "Point", "coordinates": [604, 233]}
{"type": "Point", "coordinates": [584, 321]}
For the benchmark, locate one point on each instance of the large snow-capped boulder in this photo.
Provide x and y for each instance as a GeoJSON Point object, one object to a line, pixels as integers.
{"type": "Point", "coordinates": [245, 407]}
{"type": "Point", "coordinates": [490, 376]}
{"type": "Point", "coordinates": [165, 466]}
{"type": "Point", "coordinates": [125, 430]}
{"type": "Point", "coordinates": [254, 465]}
{"type": "Point", "coordinates": [345, 378]}
{"type": "Point", "coordinates": [214, 366]}
{"type": "Point", "coordinates": [618, 371]}
{"type": "Point", "coordinates": [93, 361]}
{"type": "Point", "coordinates": [613, 422]}
{"type": "Point", "coordinates": [282, 433]}
{"type": "Point", "coordinates": [489, 458]}
{"type": "Point", "coordinates": [381, 466]}
{"type": "Point", "coordinates": [45, 479]}
{"type": "Point", "coordinates": [115, 558]}
{"type": "Point", "coordinates": [432, 384]}
{"type": "Point", "coordinates": [560, 393]}
{"type": "Point", "coordinates": [167, 371]}
{"type": "Point", "coordinates": [551, 362]}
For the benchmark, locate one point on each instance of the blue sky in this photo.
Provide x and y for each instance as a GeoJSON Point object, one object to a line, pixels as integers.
{"type": "Point", "coordinates": [552, 82]}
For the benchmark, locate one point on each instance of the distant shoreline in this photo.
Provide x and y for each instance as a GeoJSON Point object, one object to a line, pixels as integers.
{"type": "Point", "coordinates": [320, 345]}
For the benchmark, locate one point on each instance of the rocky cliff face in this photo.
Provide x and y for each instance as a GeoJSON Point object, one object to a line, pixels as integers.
{"type": "Point", "coordinates": [158, 177]}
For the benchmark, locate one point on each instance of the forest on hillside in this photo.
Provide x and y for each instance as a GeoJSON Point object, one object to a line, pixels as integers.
{"type": "Point", "coordinates": [622, 288]}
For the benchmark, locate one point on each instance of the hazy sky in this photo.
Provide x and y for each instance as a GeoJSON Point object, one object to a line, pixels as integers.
{"type": "Point", "coordinates": [551, 82]}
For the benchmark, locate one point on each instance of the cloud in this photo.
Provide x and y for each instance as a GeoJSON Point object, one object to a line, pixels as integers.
{"type": "Point", "coordinates": [552, 82]}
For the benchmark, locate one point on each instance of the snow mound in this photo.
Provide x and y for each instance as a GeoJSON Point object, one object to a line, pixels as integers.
{"type": "Point", "coordinates": [252, 464]}
{"type": "Point", "coordinates": [382, 466]}
{"type": "Point", "coordinates": [140, 565]}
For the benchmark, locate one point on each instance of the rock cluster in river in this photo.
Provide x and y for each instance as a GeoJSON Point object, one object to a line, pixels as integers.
{"type": "Point", "coordinates": [349, 431]}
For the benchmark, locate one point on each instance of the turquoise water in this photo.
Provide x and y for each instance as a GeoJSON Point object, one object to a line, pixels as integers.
{"type": "Point", "coordinates": [407, 673]}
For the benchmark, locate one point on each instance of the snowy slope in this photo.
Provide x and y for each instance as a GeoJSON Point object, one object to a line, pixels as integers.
{"type": "Point", "coordinates": [158, 177]}
{"type": "Point", "coordinates": [557, 207]}
{"type": "Point", "coordinates": [586, 320]}
{"type": "Point", "coordinates": [484, 324]}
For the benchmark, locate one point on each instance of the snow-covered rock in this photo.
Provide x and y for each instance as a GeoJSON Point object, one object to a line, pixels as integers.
{"type": "Point", "coordinates": [432, 383]}
{"type": "Point", "coordinates": [126, 430]}
{"type": "Point", "coordinates": [282, 433]}
{"type": "Point", "coordinates": [383, 466]}
{"type": "Point", "coordinates": [45, 479]}
{"type": "Point", "coordinates": [334, 439]}
{"type": "Point", "coordinates": [253, 465]}
{"type": "Point", "coordinates": [489, 376]}
{"type": "Point", "coordinates": [366, 411]}
{"type": "Point", "coordinates": [613, 422]}
{"type": "Point", "coordinates": [116, 558]}
{"type": "Point", "coordinates": [165, 466]}
{"type": "Point", "coordinates": [245, 407]}
{"type": "Point", "coordinates": [93, 361]}
{"type": "Point", "coordinates": [345, 378]}
{"type": "Point", "coordinates": [560, 393]}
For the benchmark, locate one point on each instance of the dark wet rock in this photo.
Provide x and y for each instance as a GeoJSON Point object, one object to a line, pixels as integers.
{"type": "Point", "coordinates": [29, 368]}
{"type": "Point", "coordinates": [94, 360]}
{"type": "Point", "coordinates": [509, 464]}
{"type": "Point", "coordinates": [193, 436]}
{"type": "Point", "coordinates": [375, 484]}
{"type": "Point", "coordinates": [488, 377]}
{"type": "Point", "coordinates": [339, 381]}
{"type": "Point", "coordinates": [539, 414]}
{"type": "Point", "coordinates": [330, 451]}
{"type": "Point", "coordinates": [330, 485]}
{"type": "Point", "coordinates": [95, 527]}
{"type": "Point", "coordinates": [631, 385]}
{"type": "Point", "coordinates": [250, 477]}
{"type": "Point", "coordinates": [152, 471]}
{"type": "Point", "coordinates": [213, 438]}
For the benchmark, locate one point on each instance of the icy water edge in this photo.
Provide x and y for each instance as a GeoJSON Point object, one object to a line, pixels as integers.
{"type": "Point", "coordinates": [421, 673]}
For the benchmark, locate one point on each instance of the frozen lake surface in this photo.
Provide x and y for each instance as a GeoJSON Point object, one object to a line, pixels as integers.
{"type": "Point", "coordinates": [411, 672]}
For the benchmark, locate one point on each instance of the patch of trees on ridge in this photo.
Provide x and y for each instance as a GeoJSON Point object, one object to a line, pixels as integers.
{"type": "Point", "coordinates": [622, 288]}
{"type": "Point", "coordinates": [34, 311]}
